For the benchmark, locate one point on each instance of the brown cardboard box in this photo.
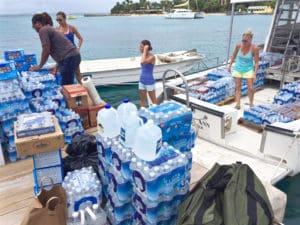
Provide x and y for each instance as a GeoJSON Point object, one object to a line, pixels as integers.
{"type": "Point", "coordinates": [40, 143]}
{"type": "Point", "coordinates": [93, 110]}
{"type": "Point", "coordinates": [84, 115]}
{"type": "Point", "coordinates": [76, 96]}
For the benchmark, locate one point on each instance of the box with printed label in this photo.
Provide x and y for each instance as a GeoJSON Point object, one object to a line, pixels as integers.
{"type": "Point", "coordinates": [76, 96]}
{"type": "Point", "coordinates": [40, 143]}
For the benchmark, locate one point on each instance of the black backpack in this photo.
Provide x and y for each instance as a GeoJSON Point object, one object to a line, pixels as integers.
{"type": "Point", "coordinates": [227, 195]}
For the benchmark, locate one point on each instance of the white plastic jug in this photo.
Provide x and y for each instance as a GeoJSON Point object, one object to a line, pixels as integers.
{"type": "Point", "coordinates": [129, 128]}
{"type": "Point", "coordinates": [148, 141]}
{"type": "Point", "coordinates": [108, 122]}
{"type": "Point", "coordinates": [125, 108]}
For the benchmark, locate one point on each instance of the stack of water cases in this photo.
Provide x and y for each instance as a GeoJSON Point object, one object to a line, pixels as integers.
{"type": "Point", "coordinates": [47, 164]}
{"type": "Point", "coordinates": [159, 186]}
{"type": "Point", "coordinates": [285, 107]}
{"type": "Point", "coordinates": [114, 159]}
{"type": "Point", "coordinates": [221, 84]}
{"type": "Point", "coordinates": [70, 123]}
{"type": "Point", "coordinates": [175, 121]}
{"type": "Point", "coordinates": [44, 95]}
{"type": "Point", "coordinates": [84, 197]}
{"type": "Point", "coordinates": [21, 60]}
{"type": "Point", "coordinates": [12, 104]}
{"type": "Point", "coordinates": [166, 178]}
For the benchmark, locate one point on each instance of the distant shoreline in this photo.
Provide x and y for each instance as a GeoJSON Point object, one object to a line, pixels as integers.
{"type": "Point", "coordinates": [144, 14]}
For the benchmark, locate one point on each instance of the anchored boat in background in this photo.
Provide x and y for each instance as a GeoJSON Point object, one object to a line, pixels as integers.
{"type": "Point", "coordinates": [184, 14]}
{"type": "Point", "coordinates": [181, 13]}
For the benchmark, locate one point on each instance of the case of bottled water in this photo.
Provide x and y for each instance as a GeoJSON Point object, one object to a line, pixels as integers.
{"type": "Point", "coordinates": [46, 79]}
{"type": "Point", "coordinates": [83, 189]}
{"type": "Point", "coordinates": [283, 98]}
{"type": "Point", "coordinates": [108, 122]}
{"type": "Point", "coordinates": [255, 114]}
{"type": "Point", "coordinates": [112, 221]}
{"type": "Point", "coordinates": [68, 118]}
{"type": "Point", "coordinates": [47, 159]}
{"type": "Point", "coordinates": [7, 70]}
{"type": "Point", "coordinates": [44, 105]}
{"type": "Point", "coordinates": [173, 118]}
{"type": "Point", "coordinates": [30, 59]}
{"type": "Point", "coordinates": [119, 214]}
{"type": "Point", "coordinates": [162, 177]}
{"type": "Point", "coordinates": [140, 220]}
{"type": "Point", "coordinates": [120, 160]}
{"type": "Point", "coordinates": [56, 96]}
{"type": "Point", "coordinates": [184, 141]}
{"type": "Point", "coordinates": [14, 54]}
{"type": "Point", "coordinates": [55, 172]}
{"type": "Point", "coordinates": [155, 212]}
{"type": "Point", "coordinates": [34, 124]}
{"type": "Point", "coordinates": [72, 132]}
{"type": "Point", "coordinates": [118, 187]}
{"type": "Point", "coordinates": [94, 215]}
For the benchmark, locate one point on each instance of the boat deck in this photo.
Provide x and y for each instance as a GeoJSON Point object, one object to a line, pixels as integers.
{"type": "Point", "coordinates": [16, 188]}
{"type": "Point", "coordinates": [16, 180]}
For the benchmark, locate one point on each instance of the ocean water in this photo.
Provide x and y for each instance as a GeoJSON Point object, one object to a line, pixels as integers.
{"type": "Point", "coordinates": [113, 37]}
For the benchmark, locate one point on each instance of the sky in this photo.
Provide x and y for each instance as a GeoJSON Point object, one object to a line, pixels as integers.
{"type": "Point", "coordinates": [52, 6]}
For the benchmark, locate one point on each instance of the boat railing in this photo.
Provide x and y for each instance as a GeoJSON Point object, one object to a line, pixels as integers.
{"type": "Point", "coordinates": [204, 64]}
{"type": "Point", "coordinates": [287, 71]}
{"type": "Point", "coordinates": [169, 85]}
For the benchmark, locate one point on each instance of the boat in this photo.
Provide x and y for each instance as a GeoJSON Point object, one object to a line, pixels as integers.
{"type": "Point", "coordinates": [128, 70]}
{"type": "Point", "coordinates": [273, 152]}
{"type": "Point", "coordinates": [71, 17]}
{"type": "Point", "coordinates": [178, 13]}
{"type": "Point", "coordinates": [184, 14]}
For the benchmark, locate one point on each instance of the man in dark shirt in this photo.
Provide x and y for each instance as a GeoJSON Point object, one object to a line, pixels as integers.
{"type": "Point", "coordinates": [55, 43]}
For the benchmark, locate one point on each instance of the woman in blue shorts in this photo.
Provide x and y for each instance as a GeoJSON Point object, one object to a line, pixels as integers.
{"type": "Point", "coordinates": [246, 57]}
{"type": "Point", "coordinates": [147, 82]}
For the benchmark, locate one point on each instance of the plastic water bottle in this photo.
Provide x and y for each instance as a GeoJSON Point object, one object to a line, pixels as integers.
{"type": "Point", "coordinates": [108, 122]}
{"type": "Point", "coordinates": [148, 141]}
{"type": "Point", "coordinates": [100, 215]}
{"type": "Point", "coordinates": [74, 220]}
{"type": "Point", "coordinates": [125, 108]}
{"type": "Point", "coordinates": [129, 128]}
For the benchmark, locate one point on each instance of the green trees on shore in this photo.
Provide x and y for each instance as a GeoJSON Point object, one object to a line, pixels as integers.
{"type": "Point", "coordinates": [145, 6]}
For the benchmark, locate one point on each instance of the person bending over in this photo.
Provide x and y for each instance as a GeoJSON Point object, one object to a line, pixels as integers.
{"type": "Point", "coordinates": [55, 44]}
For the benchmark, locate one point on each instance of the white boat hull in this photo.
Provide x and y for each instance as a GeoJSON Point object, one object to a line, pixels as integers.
{"type": "Point", "coordinates": [128, 70]}
{"type": "Point", "coordinates": [184, 14]}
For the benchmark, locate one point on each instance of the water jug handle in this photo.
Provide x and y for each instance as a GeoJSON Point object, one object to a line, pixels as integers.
{"type": "Point", "coordinates": [141, 121]}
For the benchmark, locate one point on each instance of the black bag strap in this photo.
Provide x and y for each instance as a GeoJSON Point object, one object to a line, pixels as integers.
{"type": "Point", "coordinates": [254, 197]}
{"type": "Point", "coordinates": [214, 187]}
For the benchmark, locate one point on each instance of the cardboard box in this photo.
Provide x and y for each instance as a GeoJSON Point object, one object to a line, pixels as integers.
{"type": "Point", "coordinates": [84, 115]}
{"type": "Point", "coordinates": [40, 143]}
{"type": "Point", "coordinates": [76, 96]}
{"type": "Point", "coordinates": [93, 110]}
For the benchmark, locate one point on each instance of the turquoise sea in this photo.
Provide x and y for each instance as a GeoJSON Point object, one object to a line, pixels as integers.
{"type": "Point", "coordinates": [113, 37]}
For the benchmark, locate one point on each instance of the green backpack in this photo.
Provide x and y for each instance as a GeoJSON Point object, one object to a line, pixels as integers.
{"type": "Point", "coordinates": [227, 195]}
